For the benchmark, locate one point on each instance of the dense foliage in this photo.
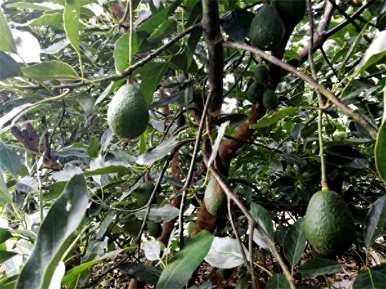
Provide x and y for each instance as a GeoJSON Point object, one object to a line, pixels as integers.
{"type": "Point", "coordinates": [248, 117]}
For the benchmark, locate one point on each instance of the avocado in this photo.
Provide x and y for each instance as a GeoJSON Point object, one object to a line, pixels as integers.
{"type": "Point", "coordinates": [154, 229]}
{"type": "Point", "coordinates": [267, 28]}
{"type": "Point", "coordinates": [142, 194]}
{"type": "Point", "coordinates": [270, 100]}
{"type": "Point", "coordinates": [291, 11]}
{"type": "Point", "coordinates": [132, 226]}
{"type": "Point", "coordinates": [254, 91]}
{"type": "Point", "coordinates": [328, 224]}
{"type": "Point", "coordinates": [214, 197]}
{"type": "Point", "coordinates": [127, 114]}
{"type": "Point", "coordinates": [261, 74]}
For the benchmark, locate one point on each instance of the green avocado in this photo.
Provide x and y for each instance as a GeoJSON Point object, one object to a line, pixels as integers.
{"type": "Point", "coordinates": [154, 229]}
{"type": "Point", "coordinates": [261, 74]}
{"type": "Point", "coordinates": [132, 226]}
{"type": "Point", "coordinates": [127, 114]}
{"type": "Point", "coordinates": [254, 91]}
{"type": "Point", "coordinates": [291, 11]}
{"type": "Point", "coordinates": [328, 224]}
{"type": "Point", "coordinates": [267, 28]}
{"type": "Point", "coordinates": [214, 198]}
{"type": "Point", "coordinates": [142, 194]}
{"type": "Point", "coordinates": [270, 100]}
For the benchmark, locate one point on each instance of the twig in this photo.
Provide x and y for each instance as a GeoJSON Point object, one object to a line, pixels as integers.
{"type": "Point", "coordinates": [343, 24]}
{"type": "Point", "coordinates": [320, 100]}
{"type": "Point", "coordinates": [191, 168]}
{"type": "Point", "coordinates": [126, 72]}
{"type": "Point", "coordinates": [248, 265]}
{"type": "Point", "coordinates": [348, 17]}
{"type": "Point", "coordinates": [325, 56]}
{"type": "Point", "coordinates": [316, 86]}
{"type": "Point", "coordinates": [251, 220]}
{"type": "Point", "coordinates": [156, 187]}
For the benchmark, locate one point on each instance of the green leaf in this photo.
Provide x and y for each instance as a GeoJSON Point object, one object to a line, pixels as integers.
{"type": "Point", "coordinates": [141, 272]}
{"type": "Point", "coordinates": [159, 152]}
{"type": "Point", "coordinates": [263, 218]}
{"type": "Point", "coordinates": [72, 276]}
{"type": "Point", "coordinates": [318, 266]}
{"type": "Point", "coordinates": [380, 151]}
{"type": "Point", "coordinates": [71, 15]}
{"type": "Point", "coordinates": [271, 119]}
{"type": "Point", "coordinates": [7, 43]}
{"type": "Point", "coordinates": [107, 170]}
{"type": "Point", "coordinates": [26, 5]}
{"type": "Point", "coordinates": [4, 235]}
{"type": "Point", "coordinates": [48, 19]}
{"type": "Point", "coordinates": [121, 51]}
{"type": "Point", "coordinates": [375, 221]}
{"type": "Point", "coordinates": [375, 53]}
{"type": "Point", "coordinates": [294, 243]}
{"type": "Point", "coordinates": [8, 282]}
{"type": "Point", "coordinates": [51, 70]}
{"type": "Point", "coordinates": [151, 75]}
{"type": "Point", "coordinates": [11, 162]}
{"type": "Point", "coordinates": [55, 236]}
{"type": "Point", "coordinates": [370, 279]}
{"type": "Point", "coordinates": [5, 197]}
{"type": "Point", "coordinates": [8, 66]}
{"type": "Point", "coordinates": [178, 273]}
{"type": "Point", "coordinates": [277, 281]}
{"type": "Point", "coordinates": [5, 255]}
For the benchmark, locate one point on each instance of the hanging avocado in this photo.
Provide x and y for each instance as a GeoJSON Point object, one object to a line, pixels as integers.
{"type": "Point", "coordinates": [328, 224]}
{"type": "Point", "coordinates": [127, 114]}
{"type": "Point", "coordinates": [267, 28]}
{"type": "Point", "coordinates": [270, 99]}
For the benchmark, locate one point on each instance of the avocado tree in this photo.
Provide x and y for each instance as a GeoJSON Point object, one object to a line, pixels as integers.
{"type": "Point", "coordinates": [192, 144]}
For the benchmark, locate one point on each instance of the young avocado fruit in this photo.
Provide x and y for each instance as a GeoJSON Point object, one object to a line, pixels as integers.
{"type": "Point", "coordinates": [261, 74]}
{"type": "Point", "coordinates": [142, 194]}
{"type": "Point", "coordinates": [328, 224]}
{"type": "Point", "coordinates": [254, 91]}
{"type": "Point", "coordinates": [270, 99]}
{"type": "Point", "coordinates": [132, 226]}
{"type": "Point", "coordinates": [214, 198]}
{"type": "Point", "coordinates": [154, 229]}
{"type": "Point", "coordinates": [291, 11]}
{"type": "Point", "coordinates": [127, 114]}
{"type": "Point", "coordinates": [267, 28]}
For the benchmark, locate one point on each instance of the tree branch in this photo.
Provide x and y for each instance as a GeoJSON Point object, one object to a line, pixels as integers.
{"type": "Point", "coordinates": [211, 26]}
{"type": "Point", "coordinates": [316, 86]}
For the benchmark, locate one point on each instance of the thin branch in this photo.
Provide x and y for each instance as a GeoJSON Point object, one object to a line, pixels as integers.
{"type": "Point", "coordinates": [123, 74]}
{"type": "Point", "coordinates": [248, 265]}
{"type": "Point", "coordinates": [325, 56]}
{"type": "Point", "coordinates": [316, 86]}
{"type": "Point", "coordinates": [319, 96]}
{"type": "Point", "coordinates": [191, 168]}
{"type": "Point", "coordinates": [343, 24]}
{"type": "Point", "coordinates": [153, 193]}
{"type": "Point", "coordinates": [348, 17]}
{"type": "Point", "coordinates": [251, 220]}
